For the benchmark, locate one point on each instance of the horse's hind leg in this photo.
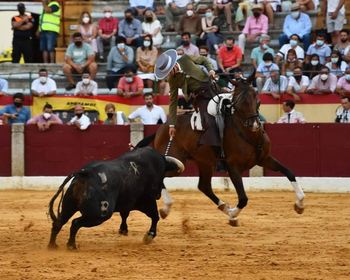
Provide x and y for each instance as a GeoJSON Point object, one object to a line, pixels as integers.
{"type": "Point", "coordinates": [273, 164]}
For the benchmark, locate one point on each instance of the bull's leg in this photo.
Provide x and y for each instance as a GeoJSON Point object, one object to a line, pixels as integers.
{"type": "Point", "coordinates": [123, 229]}
{"type": "Point", "coordinates": [273, 164]}
{"type": "Point", "coordinates": [149, 207]}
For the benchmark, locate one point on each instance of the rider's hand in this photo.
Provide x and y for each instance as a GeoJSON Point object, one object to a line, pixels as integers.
{"type": "Point", "coordinates": [212, 74]}
{"type": "Point", "coordinates": [172, 132]}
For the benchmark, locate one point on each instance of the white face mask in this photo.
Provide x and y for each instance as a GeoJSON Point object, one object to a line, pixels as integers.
{"type": "Point", "coordinates": [46, 116]}
{"type": "Point", "coordinates": [121, 46]}
{"type": "Point", "coordinates": [295, 14]}
{"type": "Point", "coordinates": [334, 59]}
{"type": "Point", "coordinates": [289, 73]}
{"type": "Point", "coordinates": [43, 80]}
{"type": "Point", "coordinates": [146, 43]}
{"type": "Point", "coordinates": [86, 81]}
{"type": "Point", "coordinates": [208, 14]}
{"type": "Point", "coordinates": [108, 14]}
{"type": "Point", "coordinates": [293, 43]}
{"type": "Point", "coordinates": [86, 19]}
{"type": "Point", "coordinates": [129, 79]}
{"type": "Point", "coordinates": [324, 77]}
{"type": "Point", "coordinates": [265, 46]}
{"type": "Point", "coordinates": [319, 42]}
{"type": "Point", "coordinates": [347, 77]}
{"type": "Point", "coordinates": [268, 63]}
{"type": "Point", "coordinates": [314, 62]}
{"type": "Point", "coordinates": [189, 13]}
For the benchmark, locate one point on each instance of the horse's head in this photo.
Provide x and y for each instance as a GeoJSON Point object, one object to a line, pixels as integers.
{"type": "Point", "coordinates": [246, 103]}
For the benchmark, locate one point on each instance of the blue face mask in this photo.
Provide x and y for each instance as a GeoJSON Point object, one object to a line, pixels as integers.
{"type": "Point", "coordinates": [319, 42]}
{"type": "Point", "coordinates": [347, 77]}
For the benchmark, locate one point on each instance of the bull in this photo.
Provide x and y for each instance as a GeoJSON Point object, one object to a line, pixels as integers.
{"type": "Point", "coordinates": [133, 181]}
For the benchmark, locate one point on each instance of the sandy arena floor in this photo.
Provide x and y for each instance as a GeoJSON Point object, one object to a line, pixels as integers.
{"type": "Point", "coordinates": [194, 242]}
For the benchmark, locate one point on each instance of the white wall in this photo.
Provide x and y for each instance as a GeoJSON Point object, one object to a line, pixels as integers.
{"type": "Point", "coordinates": [6, 32]}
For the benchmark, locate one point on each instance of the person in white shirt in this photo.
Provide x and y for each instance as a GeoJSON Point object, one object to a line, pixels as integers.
{"type": "Point", "coordinates": [297, 83]}
{"type": "Point", "coordinates": [334, 12]}
{"type": "Point", "coordinates": [290, 115]}
{"type": "Point", "coordinates": [149, 113]}
{"type": "Point", "coordinates": [86, 86]}
{"type": "Point", "coordinates": [343, 112]}
{"type": "Point", "coordinates": [43, 86]}
{"type": "Point", "coordinates": [276, 85]}
{"type": "Point", "coordinates": [113, 117]}
{"type": "Point", "coordinates": [80, 120]}
{"type": "Point", "coordinates": [294, 41]}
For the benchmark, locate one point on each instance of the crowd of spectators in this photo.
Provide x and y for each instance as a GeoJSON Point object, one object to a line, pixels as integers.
{"type": "Point", "coordinates": [130, 46]}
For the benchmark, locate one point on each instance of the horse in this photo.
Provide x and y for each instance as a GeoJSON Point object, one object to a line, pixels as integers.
{"type": "Point", "coordinates": [245, 144]}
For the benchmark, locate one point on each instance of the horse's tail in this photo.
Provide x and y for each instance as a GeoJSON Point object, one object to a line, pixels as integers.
{"type": "Point", "coordinates": [146, 141]}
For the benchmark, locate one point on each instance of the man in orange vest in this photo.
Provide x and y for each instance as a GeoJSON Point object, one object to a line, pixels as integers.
{"type": "Point", "coordinates": [22, 26]}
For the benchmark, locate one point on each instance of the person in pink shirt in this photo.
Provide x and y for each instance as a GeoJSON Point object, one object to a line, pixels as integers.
{"type": "Point", "coordinates": [130, 85]}
{"type": "Point", "coordinates": [255, 26]}
{"type": "Point", "coordinates": [343, 85]}
{"type": "Point", "coordinates": [46, 119]}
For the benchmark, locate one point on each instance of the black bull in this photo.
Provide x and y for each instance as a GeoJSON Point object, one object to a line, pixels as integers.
{"type": "Point", "coordinates": [131, 182]}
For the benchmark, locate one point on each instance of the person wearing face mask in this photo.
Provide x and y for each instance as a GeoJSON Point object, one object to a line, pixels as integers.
{"type": "Point", "coordinates": [16, 112]}
{"type": "Point", "coordinates": [146, 57]}
{"type": "Point", "coordinates": [174, 9]}
{"type": "Point", "coordinates": [86, 86]}
{"type": "Point", "coordinates": [336, 66]}
{"type": "Point", "coordinates": [290, 63]}
{"type": "Point", "coordinates": [113, 117]}
{"type": "Point", "coordinates": [323, 83]}
{"type": "Point", "coordinates": [275, 85]}
{"type": "Point", "coordinates": [264, 69]}
{"type": "Point", "coordinates": [131, 29]}
{"type": "Point", "coordinates": [22, 26]}
{"type": "Point", "coordinates": [46, 119]}
{"type": "Point", "coordinates": [259, 51]}
{"type": "Point", "coordinates": [204, 51]}
{"type": "Point", "coordinates": [130, 85]}
{"type": "Point", "coordinates": [298, 23]}
{"type": "Point", "coordinates": [343, 112]}
{"type": "Point", "coordinates": [187, 46]}
{"type": "Point", "coordinates": [80, 120]}
{"type": "Point", "coordinates": [298, 83]}
{"type": "Point", "coordinates": [43, 86]}
{"type": "Point", "coordinates": [140, 6]}
{"type": "Point", "coordinates": [79, 57]}
{"type": "Point", "coordinates": [107, 31]}
{"type": "Point", "coordinates": [88, 30]}
{"type": "Point", "coordinates": [211, 35]}
{"type": "Point", "coordinates": [313, 67]}
{"type": "Point", "coordinates": [190, 22]}
{"type": "Point", "coordinates": [255, 26]}
{"type": "Point", "coordinates": [151, 26]}
{"type": "Point", "coordinates": [320, 48]}
{"type": "Point", "coordinates": [343, 85]}
{"type": "Point", "coordinates": [293, 44]}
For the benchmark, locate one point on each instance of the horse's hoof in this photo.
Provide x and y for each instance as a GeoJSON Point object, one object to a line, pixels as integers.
{"type": "Point", "coordinates": [163, 213]}
{"type": "Point", "coordinates": [233, 222]}
{"type": "Point", "coordinates": [148, 237]}
{"type": "Point", "coordinates": [299, 210]}
{"type": "Point", "coordinates": [71, 247]}
{"type": "Point", "coordinates": [123, 232]}
{"type": "Point", "coordinates": [52, 246]}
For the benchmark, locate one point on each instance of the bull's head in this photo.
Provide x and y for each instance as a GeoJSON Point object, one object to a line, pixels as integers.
{"type": "Point", "coordinates": [174, 164]}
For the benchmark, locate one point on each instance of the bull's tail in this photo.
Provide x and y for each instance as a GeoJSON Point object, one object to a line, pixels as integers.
{"type": "Point", "coordinates": [146, 141]}
{"type": "Point", "coordinates": [52, 201]}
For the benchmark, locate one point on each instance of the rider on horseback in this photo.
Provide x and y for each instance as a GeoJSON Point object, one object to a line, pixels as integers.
{"type": "Point", "coordinates": [184, 73]}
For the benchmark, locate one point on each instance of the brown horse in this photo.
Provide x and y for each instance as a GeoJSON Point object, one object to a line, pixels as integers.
{"type": "Point", "coordinates": [245, 144]}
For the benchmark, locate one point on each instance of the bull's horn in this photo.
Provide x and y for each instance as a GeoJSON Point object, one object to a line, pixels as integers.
{"type": "Point", "coordinates": [180, 165]}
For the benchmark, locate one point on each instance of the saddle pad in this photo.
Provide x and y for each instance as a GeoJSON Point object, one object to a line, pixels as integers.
{"type": "Point", "coordinates": [216, 101]}
{"type": "Point", "coordinates": [196, 122]}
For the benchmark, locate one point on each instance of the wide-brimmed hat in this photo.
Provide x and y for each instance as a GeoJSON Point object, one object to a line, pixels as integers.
{"type": "Point", "coordinates": [257, 7]}
{"type": "Point", "coordinates": [165, 62]}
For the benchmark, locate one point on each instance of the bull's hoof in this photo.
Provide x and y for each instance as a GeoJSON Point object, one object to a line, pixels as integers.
{"type": "Point", "coordinates": [299, 210]}
{"type": "Point", "coordinates": [148, 237]}
{"type": "Point", "coordinates": [233, 222]}
{"type": "Point", "coordinates": [71, 247]}
{"type": "Point", "coordinates": [163, 213]}
{"type": "Point", "coordinates": [52, 246]}
{"type": "Point", "coordinates": [123, 232]}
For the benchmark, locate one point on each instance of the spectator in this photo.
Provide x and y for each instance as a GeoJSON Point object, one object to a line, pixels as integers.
{"type": "Point", "coordinates": [290, 63]}
{"type": "Point", "coordinates": [255, 26]}
{"type": "Point", "coordinates": [88, 30]}
{"type": "Point", "coordinates": [4, 86]}
{"type": "Point", "coordinates": [46, 119]}
{"type": "Point", "coordinates": [22, 26]}
{"type": "Point", "coordinates": [43, 86]}
{"type": "Point", "coordinates": [298, 83]}
{"type": "Point", "coordinates": [293, 44]}
{"type": "Point", "coordinates": [343, 43]}
{"type": "Point", "coordinates": [187, 46]}
{"type": "Point", "coordinates": [146, 59]}
{"type": "Point", "coordinates": [139, 7]}
{"type": "Point", "coordinates": [306, 5]}
{"type": "Point", "coordinates": [191, 23]}
{"type": "Point", "coordinates": [203, 51]}
{"type": "Point", "coordinates": [50, 21]}
{"type": "Point", "coordinates": [264, 69]}
{"type": "Point", "coordinates": [130, 85]}
{"type": "Point", "coordinates": [113, 117]}
{"type": "Point", "coordinates": [320, 48]}
{"type": "Point", "coordinates": [107, 30]}
{"type": "Point", "coordinates": [343, 85]}
{"type": "Point", "coordinates": [151, 26]}
{"type": "Point", "coordinates": [80, 57]}
{"type": "Point", "coordinates": [259, 51]}
{"type": "Point", "coordinates": [16, 112]}
{"type": "Point", "coordinates": [324, 82]}
{"type": "Point", "coordinates": [243, 11]}
{"type": "Point", "coordinates": [226, 6]}
{"type": "Point", "coordinates": [336, 66]}
{"type": "Point", "coordinates": [334, 13]}
{"type": "Point", "coordinates": [343, 112]}
{"type": "Point", "coordinates": [314, 66]}
{"type": "Point", "coordinates": [270, 7]}
{"type": "Point", "coordinates": [119, 58]}
{"type": "Point", "coordinates": [229, 57]}
{"type": "Point", "coordinates": [211, 32]}
{"type": "Point", "coordinates": [131, 29]}
{"type": "Point", "coordinates": [290, 115]}
{"type": "Point", "coordinates": [86, 86]}
{"type": "Point", "coordinates": [80, 120]}
{"type": "Point", "coordinates": [174, 8]}
{"type": "Point", "coordinates": [297, 23]}
{"type": "Point", "coordinates": [149, 113]}
{"type": "Point", "coordinates": [276, 85]}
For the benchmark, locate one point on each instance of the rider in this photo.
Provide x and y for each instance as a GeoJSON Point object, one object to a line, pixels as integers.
{"type": "Point", "coordinates": [184, 73]}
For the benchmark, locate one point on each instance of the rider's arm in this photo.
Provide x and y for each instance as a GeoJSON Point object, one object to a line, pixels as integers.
{"type": "Point", "coordinates": [201, 60]}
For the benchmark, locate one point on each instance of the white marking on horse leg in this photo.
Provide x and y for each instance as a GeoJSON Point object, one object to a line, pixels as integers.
{"type": "Point", "coordinates": [234, 212]}
{"type": "Point", "coordinates": [103, 177]}
{"type": "Point", "coordinates": [299, 193]}
{"type": "Point", "coordinates": [223, 207]}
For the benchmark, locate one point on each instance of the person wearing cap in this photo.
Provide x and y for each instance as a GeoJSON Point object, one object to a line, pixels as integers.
{"type": "Point", "coordinates": [131, 29]}
{"type": "Point", "coordinates": [22, 26]}
{"type": "Point", "coordinates": [255, 26]}
{"type": "Point", "coordinates": [298, 23]}
{"type": "Point", "coordinates": [184, 74]}
{"type": "Point", "coordinates": [46, 119]}
{"type": "Point", "coordinates": [259, 51]}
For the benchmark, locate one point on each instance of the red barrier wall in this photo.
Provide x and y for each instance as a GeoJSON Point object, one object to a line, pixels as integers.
{"type": "Point", "coordinates": [5, 150]}
{"type": "Point", "coordinates": [64, 149]}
